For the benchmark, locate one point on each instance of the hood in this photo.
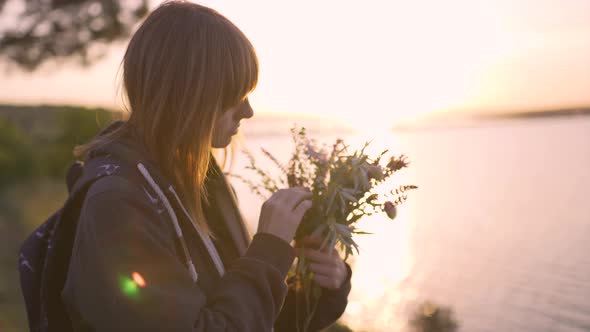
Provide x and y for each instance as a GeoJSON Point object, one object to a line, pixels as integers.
{"type": "Point", "coordinates": [132, 152]}
{"type": "Point", "coordinates": [129, 151]}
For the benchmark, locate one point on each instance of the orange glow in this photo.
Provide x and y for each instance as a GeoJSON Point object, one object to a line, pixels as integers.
{"type": "Point", "coordinates": [400, 60]}
{"type": "Point", "coordinates": [138, 279]}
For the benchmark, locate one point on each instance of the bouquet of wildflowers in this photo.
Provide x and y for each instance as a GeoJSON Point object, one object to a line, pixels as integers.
{"type": "Point", "coordinates": [342, 184]}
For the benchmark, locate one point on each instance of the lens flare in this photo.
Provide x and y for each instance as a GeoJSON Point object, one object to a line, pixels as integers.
{"type": "Point", "coordinates": [138, 279]}
{"type": "Point", "coordinates": [131, 286]}
{"type": "Point", "coordinates": [128, 287]}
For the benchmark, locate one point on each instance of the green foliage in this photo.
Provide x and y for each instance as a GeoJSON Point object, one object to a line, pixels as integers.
{"type": "Point", "coordinates": [35, 151]}
{"type": "Point", "coordinates": [16, 153]}
{"type": "Point", "coordinates": [23, 206]}
{"type": "Point", "coordinates": [38, 141]}
{"type": "Point", "coordinates": [75, 127]}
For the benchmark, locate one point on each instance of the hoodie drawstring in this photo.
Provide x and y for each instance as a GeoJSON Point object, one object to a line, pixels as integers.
{"type": "Point", "coordinates": [179, 235]}
{"type": "Point", "coordinates": [206, 239]}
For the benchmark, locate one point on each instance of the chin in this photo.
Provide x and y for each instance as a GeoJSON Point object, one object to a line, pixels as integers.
{"type": "Point", "coordinates": [222, 144]}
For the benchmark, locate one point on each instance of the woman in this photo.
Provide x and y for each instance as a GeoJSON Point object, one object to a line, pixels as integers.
{"type": "Point", "coordinates": [160, 244]}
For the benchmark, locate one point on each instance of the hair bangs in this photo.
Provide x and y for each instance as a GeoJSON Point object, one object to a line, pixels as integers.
{"type": "Point", "coordinates": [241, 71]}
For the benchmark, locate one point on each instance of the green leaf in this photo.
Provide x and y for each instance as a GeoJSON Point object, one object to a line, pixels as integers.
{"type": "Point", "coordinates": [342, 229]}
{"type": "Point", "coordinates": [319, 230]}
{"type": "Point", "coordinates": [342, 204]}
{"type": "Point", "coordinates": [332, 244]}
{"type": "Point", "coordinates": [360, 232]}
{"type": "Point", "coordinates": [331, 201]}
{"type": "Point", "coordinates": [355, 247]}
{"type": "Point", "coordinates": [327, 239]}
{"type": "Point", "coordinates": [348, 196]}
{"type": "Point", "coordinates": [364, 179]}
{"type": "Point", "coordinates": [354, 218]}
{"type": "Point", "coordinates": [347, 253]}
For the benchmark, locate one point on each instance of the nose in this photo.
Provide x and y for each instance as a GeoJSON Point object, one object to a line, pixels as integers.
{"type": "Point", "coordinates": [246, 110]}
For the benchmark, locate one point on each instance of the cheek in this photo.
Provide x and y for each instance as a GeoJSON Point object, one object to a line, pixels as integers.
{"type": "Point", "coordinates": [223, 123]}
{"type": "Point", "coordinates": [219, 123]}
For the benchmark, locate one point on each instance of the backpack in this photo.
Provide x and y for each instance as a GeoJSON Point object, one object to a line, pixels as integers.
{"type": "Point", "coordinates": [45, 255]}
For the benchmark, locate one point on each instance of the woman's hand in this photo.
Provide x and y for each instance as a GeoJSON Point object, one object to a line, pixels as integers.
{"type": "Point", "coordinates": [282, 213]}
{"type": "Point", "coordinates": [329, 269]}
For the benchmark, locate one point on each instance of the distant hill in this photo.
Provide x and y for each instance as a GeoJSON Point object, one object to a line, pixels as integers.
{"type": "Point", "coordinates": [537, 114]}
{"type": "Point", "coordinates": [466, 119]}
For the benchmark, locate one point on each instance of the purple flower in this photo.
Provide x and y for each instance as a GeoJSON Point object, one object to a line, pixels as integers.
{"type": "Point", "coordinates": [390, 209]}
{"type": "Point", "coordinates": [375, 172]}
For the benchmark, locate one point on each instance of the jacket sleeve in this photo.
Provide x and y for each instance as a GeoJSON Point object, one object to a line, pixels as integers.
{"type": "Point", "coordinates": [331, 306]}
{"type": "Point", "coordinates": [120, 236]}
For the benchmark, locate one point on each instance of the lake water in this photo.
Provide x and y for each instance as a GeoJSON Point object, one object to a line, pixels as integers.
{"type": "Point", "coordinates": [499, 229]}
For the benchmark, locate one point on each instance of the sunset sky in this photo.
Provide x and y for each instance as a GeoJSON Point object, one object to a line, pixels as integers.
{"type": "Point", "coordinates": [383, 59]}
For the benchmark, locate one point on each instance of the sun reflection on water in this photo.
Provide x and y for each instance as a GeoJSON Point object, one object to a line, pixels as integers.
{"type": "Point", "coordinates": [378, 298]}
{"type": "Point", "coordinates": [384, 263]}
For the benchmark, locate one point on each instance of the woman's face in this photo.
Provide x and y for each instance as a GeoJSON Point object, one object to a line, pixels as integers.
{"type": "Point", "coordinates": [228, 123]}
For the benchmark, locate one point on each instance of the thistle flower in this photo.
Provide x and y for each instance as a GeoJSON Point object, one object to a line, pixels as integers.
{"type": "Point", "coordinates": [315, 154]}
{"type": "Point", "coordinates": [375, 172]}
{"type": "Point", "coordinates": [390, 209]}
{"type": "Point", "coordinates": [396, 164]}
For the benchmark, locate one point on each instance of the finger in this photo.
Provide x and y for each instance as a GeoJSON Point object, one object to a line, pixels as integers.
{"type": "Point", "coordinates": [311, 242]}
{"type": "Point", "coordinates": [316, 243]}
{"type": "Point", "coordinates": [299, 190]}
{"type": "Point", "coordinates": [291, 197]}
{"type": "Point", "coordinates": [307, 243]}
{"type": "Point", "coordinates": [282, 193]}
{"type": "Point", "coordinates": [323, 270]}
{"type": "Point", "coordinates": [287, 197]}
{"type": "Point", "coordinates": [326, 282]}
{"type": "Point", "coordinates": [301, 209]}
{"type": "Point", "coordinates": [296, 197]}
{"type": "Point", "coordinates": [319, 256]}
{"type": "Point", "coordinates": [304, 244]}
{"type": "Point", "coordinates": [278, 194]}
{"type": "Point", "coordinates": [302, 188]}
{"type": "Point", "coordinates": [268, 203]}
{"type": "Point", "coordinates": [272, 198]}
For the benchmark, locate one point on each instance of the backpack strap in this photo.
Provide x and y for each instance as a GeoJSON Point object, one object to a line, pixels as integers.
{"type": "Point", "coordinates": [61, 240]}
{"type": "Point", "coordinates": [45, 255]}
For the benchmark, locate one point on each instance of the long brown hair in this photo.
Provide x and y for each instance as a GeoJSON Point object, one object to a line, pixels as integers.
{"type": "Point", "coordinates": [184, 66]}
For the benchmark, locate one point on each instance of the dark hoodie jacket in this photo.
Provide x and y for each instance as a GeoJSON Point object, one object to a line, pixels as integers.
{"type": "Point", "coordinates": [126, 230]}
